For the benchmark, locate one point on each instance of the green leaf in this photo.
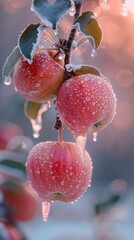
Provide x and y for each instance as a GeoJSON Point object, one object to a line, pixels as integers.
{"type": "Point", "coordinates": [89, 26]}
{"type": "Point", "coordinates": [50, 13]}
{"type": "Point", "coordinates": [32, 109]}
{"type": "Point", "coordinates": [11, 60]}
{"type": "Point", "coordinates": [85, 69]}
{"type": "Point", "coordinates": [13, 164]}
{"type": "Point", "coordinates": [29, 40]}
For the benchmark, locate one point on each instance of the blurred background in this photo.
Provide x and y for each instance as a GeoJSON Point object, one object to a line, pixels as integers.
{"type": "Point", "coordinates": [106, 211]}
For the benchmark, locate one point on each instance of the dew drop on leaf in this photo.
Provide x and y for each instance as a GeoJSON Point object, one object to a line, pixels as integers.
{"type": "Point", "coordinates": [7, 80]}
{"type": "Point", "coordinates": [95, 136]}
{"type": "Point", "coordinates": [45, 210]}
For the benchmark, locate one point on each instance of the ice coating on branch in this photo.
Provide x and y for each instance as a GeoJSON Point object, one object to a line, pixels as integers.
{"type": "Point", "coordinates": [71, 67]}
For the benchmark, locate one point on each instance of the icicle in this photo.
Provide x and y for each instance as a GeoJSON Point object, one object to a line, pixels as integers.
{"type": "Point", "coordinates": [37, 123]}
{"type": "Point", "coordinates": [7, 80]}
{"type": "Point", "coordinates": [45, 210]}
{"type": "Point", "coordinates": [81, 141]}
{"type": "Point", "coordinates": [95, 136]}
{"type": "Point", "coordinates": [124, 10]}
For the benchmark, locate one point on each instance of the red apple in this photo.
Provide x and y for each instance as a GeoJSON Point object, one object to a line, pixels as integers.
{"type": "Point", "coordinates": [86, 103]}
{"type": "Point", "coordinates": [9, 232]}
{"type": "Point", "coordinates": [59, 171]}
{"type": "Point", "coordinates": [8, 130]}
{"type": "Point", "coordinates": [19, 197]}
{"type": "Point", "coordinates": [40, 80]}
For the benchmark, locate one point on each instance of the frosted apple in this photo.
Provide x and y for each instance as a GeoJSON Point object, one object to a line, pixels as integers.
{"type": "Point", "coordinates": [86, 103]}
{"type": "Point", "coordinates": [40, 80]}
{"type": "Point", "coordinates": [59, 171]}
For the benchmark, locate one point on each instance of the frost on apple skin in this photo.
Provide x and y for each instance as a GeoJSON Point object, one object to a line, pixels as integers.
{"type": "Point", "coordinates": [40, 80]}
{"type": "Point", "coordinates": [86, 103]}
{"type": "Point", "coordinates": [58, 172]}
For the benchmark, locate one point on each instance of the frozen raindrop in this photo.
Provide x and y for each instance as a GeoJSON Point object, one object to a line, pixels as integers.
{"type": "Point", "coordinates": [7, 80]}
{"type": "Point", "coordinates": [124, 10]}
{"type": "Point", "coordinates": [45, 210]}
{"type": "Point", "coordinates": [93, 53]}
{"type": "Point", "coordinates": [72, 11]}
{"type": "Point", "coordinates": [95, 136]}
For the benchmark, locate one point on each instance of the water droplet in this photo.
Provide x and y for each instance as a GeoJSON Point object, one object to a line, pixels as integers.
{"type": "Point", "coordinates": [62, 183]}
{"type": "Point", "coordinates": [7, 80]}
{"type": "Point", "coordinates": [95, 136]}
{"type": "Point", "coordinates": [124, 10]}
{"type": "Point", "coordinates": [106, 1]}
{"type": "Point", "coordinates": [72, 11]}
{"type": "Point", "coordinates": [61, 56]}
{"type": "Point", "coordinates": [45, 210]}
{"type": "Point", "coordinates": [93, 53]}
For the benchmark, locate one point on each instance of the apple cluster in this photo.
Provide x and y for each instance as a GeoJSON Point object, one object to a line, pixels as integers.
{"type": "Point", "coordinates": [85, 103]}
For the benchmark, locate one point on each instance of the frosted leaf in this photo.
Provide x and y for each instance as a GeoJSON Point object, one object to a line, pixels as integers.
{"type": "Point", "coordinates": [45, 210]}
{"type": "Point", "coordinates": [10, 62]}
{"type": "Point", "coordinates": [50, 13]}
{"type": "Point", "coordinates": [89, 27]}
{"type": "Point", "coordinates": [29, 40]}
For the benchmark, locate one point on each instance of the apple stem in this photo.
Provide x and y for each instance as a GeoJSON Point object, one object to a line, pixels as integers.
{"type": "Point", "coordinates": [58, 127]}
{"type": "Point", "coordinates": [60, 135]}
